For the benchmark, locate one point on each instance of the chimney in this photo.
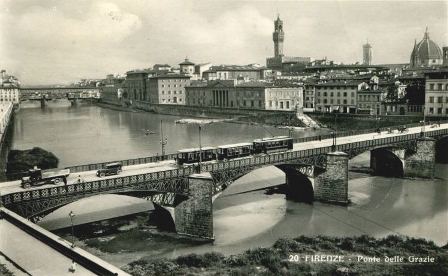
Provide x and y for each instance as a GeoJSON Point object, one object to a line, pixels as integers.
{"type": "Point", "coordinates": [3, 73]}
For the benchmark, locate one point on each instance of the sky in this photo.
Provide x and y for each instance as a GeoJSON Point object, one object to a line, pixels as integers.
{"type": "Point", "coordinates": [56, 42]}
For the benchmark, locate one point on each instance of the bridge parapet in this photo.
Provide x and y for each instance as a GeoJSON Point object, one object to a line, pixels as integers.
{"type": "Point", "coordinates": [83, 258]}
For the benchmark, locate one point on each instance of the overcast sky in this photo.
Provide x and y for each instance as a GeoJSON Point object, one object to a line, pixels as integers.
{"type": "Point", "coordinates": [49, 41]}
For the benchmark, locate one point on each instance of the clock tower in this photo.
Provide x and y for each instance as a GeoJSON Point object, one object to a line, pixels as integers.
{"type": "Point", "coordinates": [278, 36]}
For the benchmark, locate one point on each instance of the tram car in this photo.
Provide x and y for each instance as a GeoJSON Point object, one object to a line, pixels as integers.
{"type": "Point", "coordinates": [264, 145]}
{"type": "Point", "coordinates": [273, 144]}
{"type": "Point", "coordinates": [187, 156]}
{"type": "Point", "coordinates": [234, 151]}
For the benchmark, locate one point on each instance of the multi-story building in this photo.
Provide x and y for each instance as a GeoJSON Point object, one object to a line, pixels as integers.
{"type": "Point", "coordinates": [336, 96]}
{"type": "Point", "coordinates": [232, 72]}
{"type": "Point", "coordinates": [244, 95]}
{"type": "Point", "coordinates": [436, 92]}
{"type": "Point", "coordinates": [135, 86]}
{"type": "Point", "coordinates": [309, 96]}
{"type": "Point", "coordinates": [112, 89]}
{"type": "Point", "coordinates": [9, 89]}
{"type": "Point", "coordinates": [167, 88]}
{"type": "Point", "coordinates": [370, 100]}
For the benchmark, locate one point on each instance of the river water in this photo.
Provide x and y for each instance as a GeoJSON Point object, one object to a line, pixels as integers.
{"type": "Point", "coordinates": [242, 218]}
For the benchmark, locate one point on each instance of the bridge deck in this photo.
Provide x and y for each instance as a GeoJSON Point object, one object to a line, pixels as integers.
{"type": "Point", "coordinates": [169, 165]}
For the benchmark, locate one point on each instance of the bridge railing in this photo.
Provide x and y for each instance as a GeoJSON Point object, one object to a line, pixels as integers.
{"type": "Point", "coordinates": [172, 156]}
{"type": "Point", "coordinates": [126, 162]}
{"type": "Point", "coordinates": [130, 182]}
{"type": "Point", "coordinates": [359, 132]}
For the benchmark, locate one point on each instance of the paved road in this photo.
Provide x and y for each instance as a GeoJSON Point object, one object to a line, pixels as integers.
{"type": "Point", "coordinates": [32, 255]}
{"type": "Point", "coordinates": [14, 186]}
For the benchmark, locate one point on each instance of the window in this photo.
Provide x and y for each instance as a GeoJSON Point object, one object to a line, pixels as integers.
{"type": "Point", "coordinates": [439, 99]}
{"type": "Point", "coordinates": [345, 94]}
{"type": "Point", "coordinates": [252, 103]}
{"type": "Point", "coordinates": [339, 101]}
{"type": "Point", "coordinates": [431, 110]}
{"type": "Point", "coordinates": [331, 94]}
{"type": "Point", "coordinates": [353, 94]}
{"type": "Point", "coordinates": [287, 105]}
{"type": "Point", "coordinates": [431, 99]}
{"type": "Point", "coordinates": [440, 86]}
{"type": "Point", "coordinates": [325, 94]}
{"type": "Point", "coordinates": [439, 110]}
{"type": "Point", "coordinates": [353, 101]}
{"type": "Point", "coordinates": [431, 86]}
{"type": "Point", "coordinates": [331, 101]}
{"type": "Point", "coordinates": [345, 101]}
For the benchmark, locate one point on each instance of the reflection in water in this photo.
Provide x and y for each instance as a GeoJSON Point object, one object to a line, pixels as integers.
{"type": "Point", "coordinates": [380, 206]}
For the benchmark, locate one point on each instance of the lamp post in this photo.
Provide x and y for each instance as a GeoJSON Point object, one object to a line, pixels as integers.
{"type": "Point", "coordinates": [200, 148]}
{"type": "Point", "coordinates": [424, 121]}
{"type": "Point", "coordinates": [333, 134]}
{"type": "Point", "coordinates": [163, 139]}
{"type": "Point", "coordinates": [71, 215]}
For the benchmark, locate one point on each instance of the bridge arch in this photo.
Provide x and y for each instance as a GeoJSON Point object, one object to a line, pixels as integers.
{"type": "Point", "coordinates": [298, 180]}
{"type": "Point", "coordinates": [442, 150]}
{"type": "Point", "coordinates": [387, 162]}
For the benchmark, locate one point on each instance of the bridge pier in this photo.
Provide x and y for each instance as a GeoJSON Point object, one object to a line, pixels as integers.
{"type": "Point", "coordinates": [43, 103]}
{"type": "Point", "coordinates": [331, 184]}
{"type": "Point", "coordinates": [194, 216]}
{"type": "Point", "coordinates": [422, 162]}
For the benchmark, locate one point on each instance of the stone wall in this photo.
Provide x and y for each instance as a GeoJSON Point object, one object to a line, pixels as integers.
{"type": "Point", "coordinates": [194, 216]}
{"type": "Point", "coordinates": [331, 184]}
{"type": "Point", "coordinates": [421, 163]}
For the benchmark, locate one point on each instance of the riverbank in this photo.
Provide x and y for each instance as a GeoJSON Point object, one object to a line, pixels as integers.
{"type": "Point", "coordinates": [248, 116]}
{"type": "Point", "coordinates": [362, 255]}
{"type": "Point", "coordinates": [343, 122]}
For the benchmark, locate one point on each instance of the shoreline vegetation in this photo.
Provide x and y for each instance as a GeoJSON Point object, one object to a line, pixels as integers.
{"type": "Point", "coordinates": [278, 259]}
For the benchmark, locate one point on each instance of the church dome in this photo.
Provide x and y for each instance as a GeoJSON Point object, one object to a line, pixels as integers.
{"type": "Point", "coordinates": [425, 50]}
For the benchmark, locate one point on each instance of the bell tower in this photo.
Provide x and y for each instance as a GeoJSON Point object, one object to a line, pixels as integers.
{"type": "Point", "coordinates": [278, 36]}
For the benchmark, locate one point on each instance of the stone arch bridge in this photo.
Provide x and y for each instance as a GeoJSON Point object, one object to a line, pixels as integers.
{"type": "Point", "coordinates": [314, 171]}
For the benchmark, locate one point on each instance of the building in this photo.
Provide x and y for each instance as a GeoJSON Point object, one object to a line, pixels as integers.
{"type": "Point", "coordinates": [9, 89]}
{"type": "Point", "coordinates": [278, 37]}
{"type": "Point", "coordinates": [309, 96]}
{"type": "Point", "coordinates": [167, 88]}
{"type": "Point", "coordinates": [161, 67]}
{"type": "Point", "coordinates": [367, 54]}
{"type": "Point", "coordinates": [445, 56]}
{"type": "Point", "coordinates": [112, 89]}
{"type": "Point", "coordinates": [244, 95]}
{"type": "Point", "coordinates": [199, 69]}
{"type": "Point", "coordinates": [279, 61]}
{"type": "Point", "coordinates": [436, 93]}
{"type": "Point", "coordinates": [233, 72]}
{"type": "Point", "coordinates": [134, 87]}
{"type": "Point", "coordinates": [336, 96]}
{"type": "Point", "coordinates": [187, 67]}
{"type": "Point", "coordinates": [370, 97]}
{"type": "Point", "coordinates": [426, 53]}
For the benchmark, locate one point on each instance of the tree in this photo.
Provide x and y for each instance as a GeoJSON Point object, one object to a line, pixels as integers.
{"type": "Point", "coordinates": [20, 161]}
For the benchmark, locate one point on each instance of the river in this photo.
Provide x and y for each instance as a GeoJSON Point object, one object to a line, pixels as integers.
{"type": "Point", "coordinates": [242, 218]}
